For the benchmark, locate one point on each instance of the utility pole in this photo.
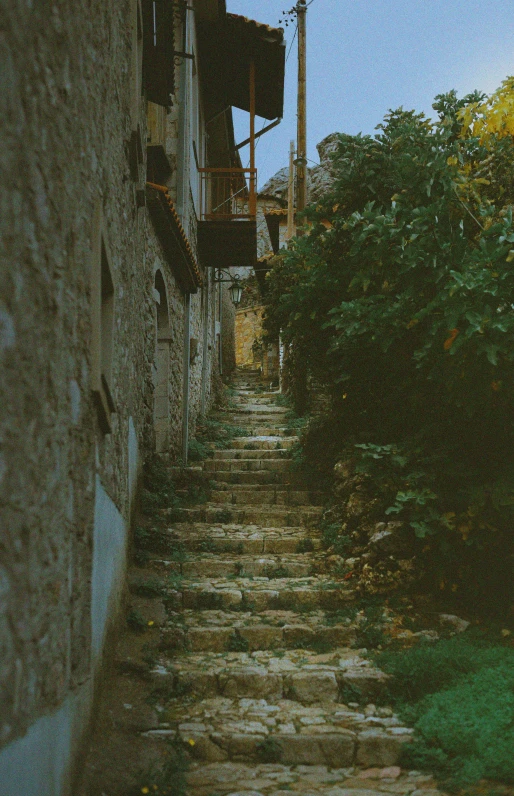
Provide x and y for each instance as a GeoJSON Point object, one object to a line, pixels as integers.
{"type": "Point", "coordinates": [290, 195]}
{"type": "Point", "coordinates": [301, 151]}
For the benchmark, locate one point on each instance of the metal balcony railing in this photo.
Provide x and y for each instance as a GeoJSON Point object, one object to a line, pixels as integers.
{"type": "Point", "coordinates": [228, 194]}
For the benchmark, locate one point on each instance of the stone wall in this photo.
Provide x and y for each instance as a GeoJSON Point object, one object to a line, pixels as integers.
{"type": "Point", "coordinates": [65, 485]}
{"type": "Point", "coordinates": [67, 482]}
{"type": "Point", "coordinates": [248, 334]}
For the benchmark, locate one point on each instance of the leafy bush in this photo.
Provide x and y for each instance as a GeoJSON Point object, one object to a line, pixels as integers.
{"type": "Point", "coordinates": [459, 695]}
{"type": "Point", "coordinates": [197, 451]}
{"type": "Point", "coordinates": [399, 304]}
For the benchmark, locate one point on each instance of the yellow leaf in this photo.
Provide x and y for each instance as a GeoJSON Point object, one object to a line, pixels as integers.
{"type": "Point", "coordinates": [451, 339]}
{"type": "Point", "coordinates": [191, 742]}
{"type": "Point", "coordinates": [510, 256]}
{"type": "Point", "coordinates": [506, 633]}
{"type": "Point", "coordinates": [151, 623]}
{"type": "Point", "coordinates": [452, 160]}
{"type": "Point", "coordinates": [145, 790]}
{"type": "Point", "coordinates": [412, 323]}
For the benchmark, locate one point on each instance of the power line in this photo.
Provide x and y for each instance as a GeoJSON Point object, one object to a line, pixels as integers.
{"type": "Point", "coordinates": [292, 42]}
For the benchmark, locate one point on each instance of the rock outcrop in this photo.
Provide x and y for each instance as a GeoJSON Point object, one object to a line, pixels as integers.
{"type": "Point", "coordinates": [321, 177]}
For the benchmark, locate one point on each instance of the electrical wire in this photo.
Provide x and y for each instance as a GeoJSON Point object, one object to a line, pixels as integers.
{"type": "Point", "coordinates": [292, 42]}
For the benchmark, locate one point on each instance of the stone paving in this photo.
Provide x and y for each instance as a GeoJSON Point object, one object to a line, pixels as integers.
{"type": "Point", "coordinates": [252, 668]}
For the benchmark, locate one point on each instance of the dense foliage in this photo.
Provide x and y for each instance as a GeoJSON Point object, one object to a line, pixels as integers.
{"type": "Point", "coordinates": [399, 301]}
{"type": "Point", "coordinates": [459, 695]}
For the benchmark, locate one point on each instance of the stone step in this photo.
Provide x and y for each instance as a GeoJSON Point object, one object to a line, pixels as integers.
{"type": "Point", "coordinates": [259, 409]}
{"type": "Point", "coordinates": [257, 487]}
{"type": "Point", "coordinates": [260, 430]}
{"type": "Point", "coordinates": [298, 675]}
{"type": "Point", "coordinates": [227, 565]}
{"type": "Point", "coordinates": [222, 728]}
{"type": "Point", "coordinates": [260, 393]}
{"type": "Point", "coordinates": [215, 566]}
{"type": "Point", "coordinates": [262, 593]}
{"type": "Point", "coordinates": [247, 464]}
{"type": "Point", "coordinates": [255, 399]}
{"type": "Point", "coordinates": [253, 478]}
{"type": "Point", "coordinates": [263, 443]}
{"type": "Point", "coordinates": [276, 779]}
{"type": "Point", "coordinates": [240, 538]}
{"type": "Point", "coordinates": [215, 630]}
{"type": "Point", "coordinates": [268, 497]}
{"type": "Point", "coordinates": [268, 516]}
{"type": "Point", "coordinates": [239, 418]}
{"type": "Point", "coordinates": [242, 454]}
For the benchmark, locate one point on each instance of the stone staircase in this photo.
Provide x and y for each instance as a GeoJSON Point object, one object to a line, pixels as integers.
{"type": "Point", "coordinates": [253, 669]}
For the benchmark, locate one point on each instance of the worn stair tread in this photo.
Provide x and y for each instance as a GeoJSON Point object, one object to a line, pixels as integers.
{"type": "Point", "coordinates": [256, 478]}
{"type": "Point", "coordinates": [247, 464]}
{"type": "Point", "coordinates": [223, 728]}
{"type": "Point", "coordinates": [264, 593]}
{"type": "Point", "coordinates": [275, 779]}
{"type": "Point", "coordinates": [253, 538]}
{"type": "Point", "coordinates": [264, 442]}
{"type": "Point", "coordinates": [242, 453]}
{"type": "Point", "coordinates": [216, 630]}
{"type": "Point", "coordinates": [299, 675]}
{"type": "Point", "coordinates": [276, 516]}
{"type": "Point", "coordinates": [293, 565]}
{"type": "Point", "coordinates": [268, 497]}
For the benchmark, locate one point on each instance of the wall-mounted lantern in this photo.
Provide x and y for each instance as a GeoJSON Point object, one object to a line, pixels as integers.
{"type": "Point", "coordinates": [236, 288]}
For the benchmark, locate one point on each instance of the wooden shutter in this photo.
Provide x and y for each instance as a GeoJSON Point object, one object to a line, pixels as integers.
{"type": "Point", "coordinates": [158, 50]}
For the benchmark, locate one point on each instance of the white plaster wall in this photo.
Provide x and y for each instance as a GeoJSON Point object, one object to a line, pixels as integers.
{"type": "Point", "coordinates": [38, 764]}
{"type": "Point", "coordinates": [109, 561]}
{"type": "Point", "coordinates": [133, 459]}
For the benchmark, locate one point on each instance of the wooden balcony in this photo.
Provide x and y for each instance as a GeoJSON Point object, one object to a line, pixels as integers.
{"type": "Point", "coordinates": [227, 228]}
{"type": "Point", "coordinates": [228, 194]}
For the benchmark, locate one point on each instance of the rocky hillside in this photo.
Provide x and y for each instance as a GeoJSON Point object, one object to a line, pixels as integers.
{"type": "Point", "coordinates": [320, 177]}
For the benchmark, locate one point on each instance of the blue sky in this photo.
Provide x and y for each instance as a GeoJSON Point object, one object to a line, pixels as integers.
{"type": "Point", "coordinates": [366, 56]}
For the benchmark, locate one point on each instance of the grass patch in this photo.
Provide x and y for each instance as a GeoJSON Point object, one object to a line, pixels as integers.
{"type": "Point", "coordinates": [169, 779]}
{"type": "Point", "coordinates": [136, 622]}
{"type": "Point", "coordinates": [151, 587]}
{"type": "Point", "coordinates": [459, 696]}
{"type": "Point", "coordinates": [269, 751]}
{"type": "Point", "coordinates": [305, 546]}
{"type": "Point", "coordinates": [237, 643]}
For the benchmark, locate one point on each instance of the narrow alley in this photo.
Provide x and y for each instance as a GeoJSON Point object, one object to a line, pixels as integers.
{"type": "Point", "coordinates": [247, 660]}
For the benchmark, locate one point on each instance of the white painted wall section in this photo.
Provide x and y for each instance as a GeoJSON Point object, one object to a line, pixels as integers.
{"type": "Point", "coordinates": [109, 559]}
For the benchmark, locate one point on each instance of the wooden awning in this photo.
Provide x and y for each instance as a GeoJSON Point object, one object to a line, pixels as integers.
{"type": "Point", "coordinates": [228, 47]}
{"type": "Point", "coordinates": [173, 238]}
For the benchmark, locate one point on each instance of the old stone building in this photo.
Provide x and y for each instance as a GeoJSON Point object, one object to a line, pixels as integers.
{"type": "Point", "coordinates": [115, 118]}
{"type": "Point", "coordinates": [272, 236]}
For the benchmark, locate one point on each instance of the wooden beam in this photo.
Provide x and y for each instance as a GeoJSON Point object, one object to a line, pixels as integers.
{"type": "Point", "coordinates": [301, 155]}
{"type": "Point", "coordinates": [290, 195]}
{"type": "Point", "coordinates": [252, 205]}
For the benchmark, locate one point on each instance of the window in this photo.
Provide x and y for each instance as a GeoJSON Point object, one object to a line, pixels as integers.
{"type": "Point", "coordinates": [102, 326]}
{"type": "Point", "coordinates": [159, 51]}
